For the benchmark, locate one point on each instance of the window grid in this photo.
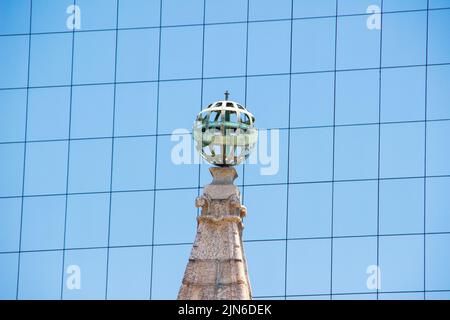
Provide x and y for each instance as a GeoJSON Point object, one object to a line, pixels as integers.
{"type": "Point", "coordinates": [286, 239]}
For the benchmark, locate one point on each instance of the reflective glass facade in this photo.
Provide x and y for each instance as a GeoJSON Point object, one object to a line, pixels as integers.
{"type": "Point", "coordinates": [357, 90]}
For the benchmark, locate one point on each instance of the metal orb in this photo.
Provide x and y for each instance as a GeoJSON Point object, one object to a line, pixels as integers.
{"type": "Point", "coordinates": [224, 133]}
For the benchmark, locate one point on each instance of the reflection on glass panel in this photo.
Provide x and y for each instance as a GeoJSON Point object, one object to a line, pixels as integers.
{"type": "Point", "coordinates": [401, 206]}
{"type": "Point", "coordinates": [8, 276]}
{"type": "Point", "coordinates": [355, 208]}
{"type": "Point", "coordinates": [266, 275]}
{"type": "Point", "coordinates": [169, 263]}
{"type": "Point", "coordinates": [402, 150]}
{"type": "Point", "coordinates": [309, 270]}
{"type": "Point", "coordinates": [40, 275]}
{"type": "Point", "coordinates": [351, 259]}
{"type": "Point", "coordinates": [268, 41]}
{"type": "Point", "coordinates": [90, 265]}
{"type": "Point", "coordinates": [131, 218]}
{"type": "Point", "coordinates": [87, 220]}
{"type": "Point", "coordinates": [43, 223]}
{"type": "Point", "coordinates": [129, 273]}
{"type": "Point", "coordinates": [401, 263]}
{"type": "Point", "coordinates": [404, 38]}
{"type": "Point", "coordinates": [90, 165]}
{"type": "Point", "coordinates": [356, 152]}
{"type": "Point", "coordinates": [266, 219]}
{"type": "Point", "coordinates": [11, 170]}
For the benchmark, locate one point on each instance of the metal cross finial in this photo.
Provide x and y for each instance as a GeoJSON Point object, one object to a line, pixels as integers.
{"type": "Point", "coordinates": [227, 94]}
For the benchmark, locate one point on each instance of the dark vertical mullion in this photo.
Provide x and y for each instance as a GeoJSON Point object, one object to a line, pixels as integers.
{"type": "Point", "coordinates": [156, 147]}
{"type": "Point", "coordinates": [112, 149]}
{"type": "Point", "coordinates": [334, 147]}
{"type": "Point", "coordinates": [379, 148]}
{"type": "Point", "coordinates": [288, 153]}
{"type": "Point", "coordinates": [425, 157]}
{"type": "Point", "coordinates": [245, 89]}
{"type": "Point", "coordinates": [24, 152]}
{"type": "Point", "coordinates": [68, 161]}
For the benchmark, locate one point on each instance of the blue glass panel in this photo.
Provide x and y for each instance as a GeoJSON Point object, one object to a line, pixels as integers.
{"type": "Point", "coordinates": [267, 9]}
{"type": "Point", "coordinates": [438, 92]}
{"type": "Point", "coordinates": [170, 171]}
{"type": "Point", "coordinates": [267, 163]}
{"type": "Point", "coordinates": [92, 111]}
{"type": "Point", "coordinates": [404, 38]}
{"type": "Point", "coordinates": [10, 216]}
{"type": "Point", "coordinates": [169, 263]}
{"type": "Point", "coordinates": [134, 163]}
{"type": "Point", "coordinates": [214, 89]}
{"type": "Point", "coordinates": [139, 13]}
{"type": "Point", "coordinates": [439, 4]}
{"type": "Point", "coordinates": [438, 148]}
{"type": "Point", "coordinates": [171, 117]}
{"type": "Point", "coordinates": [438, 41]}
{"type": "Point", "coordinates": [310, 210]}
{"type": "Point", "coordinates": [135, 111]}
{"type": "Point", "coordinates": [46, 168]}
{"type": "Point", "coordinates": [8, 276]}
{"type": "Point", "coordinates": [13, 61]}
{"type": "Point", "coordinates": [266, 275]}
{"type": "Point", "coordinates": [351, 258]}
{"type": "Point", "coordinates": [399, 5]}
{"type": "Point", "coordinates": [131, 218]}
{"type": "Point", "coordinates": [175, 12]}
{"type": "Point", "coordinates": [12, 115]}
{"type": "Point", "coordinates": [94, 57]}
{"type": "Point", "coordinates": [14, 16]}
{"type": "Point", "coordinates": [182, 211]}
{"type": "Point", "coordinates": [90, 165]}
{"type": "Point", "coordinates": [129, 273]}
{"type": "Point", "coordinates": [405, 102]}
{"type": "Point", "coordinates": [440, 295]}
{"type": "Point", "coordinates": [438, 205]}
{"type": "Point", "coordinates": [401, 263]}
{"type": "Point", "coordinates": [401, 206]}
{"type": "Point", "coordinates": [358, 46]}
{"type": "Point", "coordinates": [51, 15]}
{"type": "Point", "coordinates": [308, 270]}
{"type": "Point", "coordinates": [92, 267]}
{"type": "Point", "coordinates": [50, 59]}
{"type": "Point", "coordinates": [181, 52]}
{"type": "Point", "coordinates": [313, 44]}
{"type": "Point", "coordinates": [261, 222]}
{"type": "Point", "coordinates": [11, 170]}
{"type": "Point", "coordinates": [437, 262]}
{"type": "Point", "coordinates": [311, 155]}
{"type": "Point", "coordinates": [43, 223]}
{"type": "Point", "coordinates": [87, 220]}
{"type": "Point", "coordinates": [307, 8]}
{"type": "Point", "coordinates": [312, 101]}
{"type": "Point", "coordinates": [402, 150]}
{"type": "Point", "coordinates": [97, 14]}
{"type": "Point", "coordinates": [268, 99]}
{"type": "Point", "coordinates": [356, 6]}
{"type": "Point", "coordinates": [356, 152]}
{"type": "Point", "coordinates": [401, 296]}
{"type": "Point", "coordinates": [357, 95]}
{"type": "Point", "coordinates": [137, 55]}
{"type": "Point", "coordinates": [225, 10]}
{"type": "Point", "coordinates": [355, 208]}
{"type": "Point", "coordinates": [48, 118]}
{"type": "Point", "coordinates": [268, 41]}
{"type": "Point", "coordinates": [366, 296]}
{"type": "Point", "coordinates": [225, 53]}
{"type": "Point", "coordinates": [40, 275]}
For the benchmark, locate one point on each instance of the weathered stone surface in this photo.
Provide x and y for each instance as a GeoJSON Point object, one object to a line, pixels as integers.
{"type": "Point", "coordinates": [217, 268]}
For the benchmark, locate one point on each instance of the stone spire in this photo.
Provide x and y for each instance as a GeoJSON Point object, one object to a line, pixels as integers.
{"type": "Point", "coordinates": [217, 268]}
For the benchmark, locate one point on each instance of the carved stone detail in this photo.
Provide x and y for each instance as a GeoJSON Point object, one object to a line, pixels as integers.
{"type": "Point", "coordinates": [217, 267]}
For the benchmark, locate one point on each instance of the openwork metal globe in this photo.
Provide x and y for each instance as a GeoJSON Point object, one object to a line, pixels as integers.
{"type": "Point", "coordinates": [224, 133]}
